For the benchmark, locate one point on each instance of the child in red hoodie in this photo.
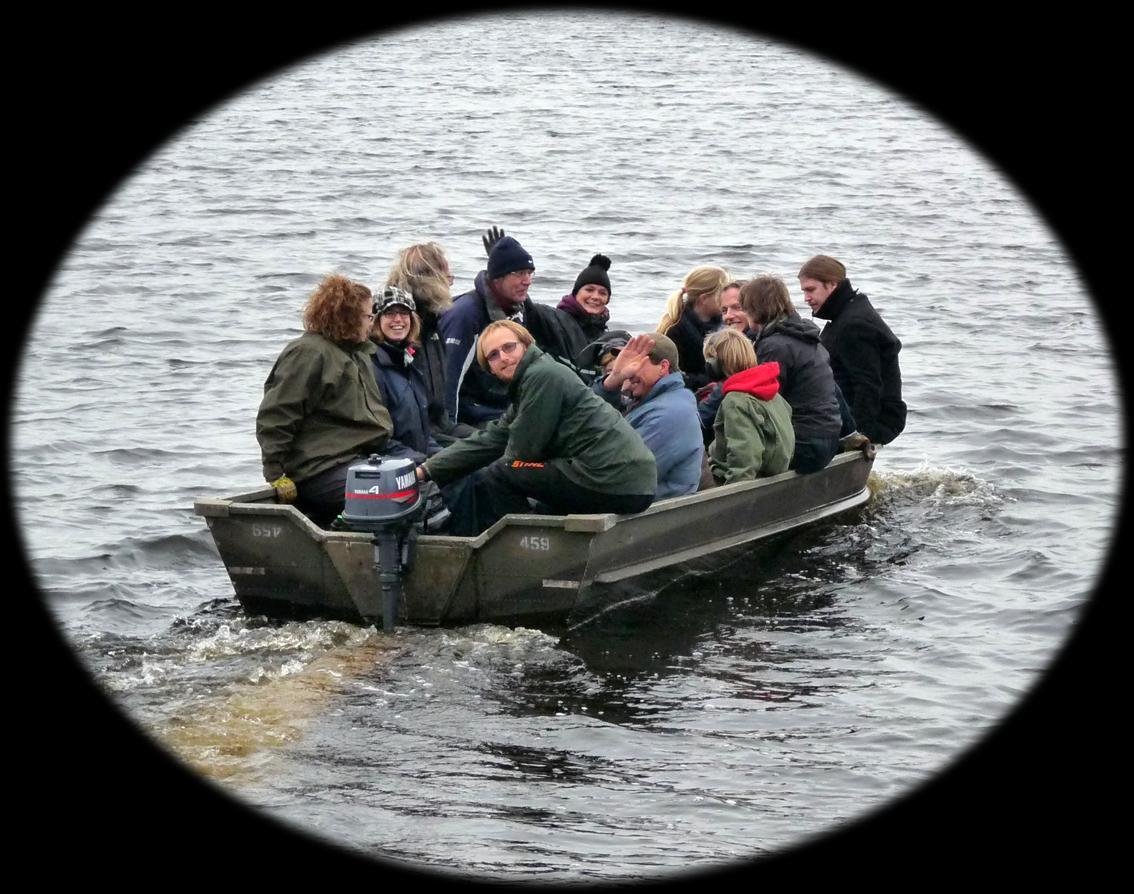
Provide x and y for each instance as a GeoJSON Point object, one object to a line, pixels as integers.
{"type": "Point", "coordinates": [752, 433]}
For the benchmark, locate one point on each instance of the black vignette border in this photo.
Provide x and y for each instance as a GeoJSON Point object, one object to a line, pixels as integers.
{"type": "Point", "coordinates": [1037, 96]}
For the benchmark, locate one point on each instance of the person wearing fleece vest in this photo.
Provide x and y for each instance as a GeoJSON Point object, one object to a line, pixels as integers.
{"type": "Point", "coordinates": [752, 433]}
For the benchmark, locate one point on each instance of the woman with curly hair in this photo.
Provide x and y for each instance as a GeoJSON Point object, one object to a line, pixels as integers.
{"type": "Point", "coordinates": [321, 408]}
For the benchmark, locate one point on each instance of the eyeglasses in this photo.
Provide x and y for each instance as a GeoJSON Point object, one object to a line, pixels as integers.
{"type": "Point", "coordinates": [509, 348]}
{"type": "Point", "coordinates": [396, 312]}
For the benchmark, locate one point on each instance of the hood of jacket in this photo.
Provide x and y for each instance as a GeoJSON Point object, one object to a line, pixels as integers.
{"type": "Point", "coordinates": [669, 382]}
{"type": "Point", "coordinates": [760, 381]}
{"type": "Point", "coordinates": [794, 327]}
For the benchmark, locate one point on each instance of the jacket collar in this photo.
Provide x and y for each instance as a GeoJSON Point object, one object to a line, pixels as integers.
{"type": "Point", "coordinates": [837, 301]}
{"type": "Point", "coordinates": [701, 327]}
{"type": "Point", "coordinates": [350, 347]}
{"type": "Point", "coordinates": [794, 326]}
{"type": "Point", "coordinates": [668, 382]}
{"type": "Point", "coordinates": [531, 355]}
{"type": "Point", "coordinates": [392, 356]}
{"type": "Point", "coordinates": [495, 311]}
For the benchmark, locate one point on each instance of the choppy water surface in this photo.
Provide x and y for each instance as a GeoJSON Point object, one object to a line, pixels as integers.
{"type": "Point", "coordinates": [729, 717]}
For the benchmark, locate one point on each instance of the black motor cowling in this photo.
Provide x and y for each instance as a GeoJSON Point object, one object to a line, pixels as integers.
{"type": "Point", "coordinates": [383, 499]}
{"type": "Point", "coordinates": [381, 492]}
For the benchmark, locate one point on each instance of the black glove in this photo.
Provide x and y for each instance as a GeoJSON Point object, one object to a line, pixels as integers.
{"type": "Point", "coordinates": [491, 236]}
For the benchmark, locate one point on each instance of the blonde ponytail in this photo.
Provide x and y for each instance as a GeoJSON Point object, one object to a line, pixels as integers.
{"type": "Point", "coordinates": [674, 307]}
{"type": "Point", "coordinates": [699, 281]}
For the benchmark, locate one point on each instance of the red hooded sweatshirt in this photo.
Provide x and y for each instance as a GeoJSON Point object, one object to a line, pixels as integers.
{"type": "Point", "coordinates": [760, 381]}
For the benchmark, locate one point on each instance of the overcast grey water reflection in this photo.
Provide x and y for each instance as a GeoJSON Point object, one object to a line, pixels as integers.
{"type": "Point", "coordinates": [734, 714]}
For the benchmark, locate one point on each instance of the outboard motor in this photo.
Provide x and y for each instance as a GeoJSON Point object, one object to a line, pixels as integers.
{"type": "Point", "coordinates": [383, 498]}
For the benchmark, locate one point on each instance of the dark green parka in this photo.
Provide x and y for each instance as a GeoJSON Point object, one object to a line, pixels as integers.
{"type": "Point", "coordinates": [553, 417]}
{"type": "Point", "coordinates": [321, 408]}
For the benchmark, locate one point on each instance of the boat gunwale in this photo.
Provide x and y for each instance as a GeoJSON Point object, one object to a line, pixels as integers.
{"type": "Point", "coordinates": [256, 503]}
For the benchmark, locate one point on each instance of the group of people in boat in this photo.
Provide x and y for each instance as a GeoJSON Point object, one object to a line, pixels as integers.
{"type": "Point", "coordinates": [508, 405]}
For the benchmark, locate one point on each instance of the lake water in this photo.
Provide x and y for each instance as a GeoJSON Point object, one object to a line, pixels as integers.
{"type": "Point", "coordinates": [731, 717]}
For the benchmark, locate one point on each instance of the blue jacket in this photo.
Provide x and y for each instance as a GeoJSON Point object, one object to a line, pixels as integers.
{"type": "Point", "coordinates": [473, 395]}
{"type": "Point", "coordinates": [405, 395]}
{"type": "Point", "coordinates": [667, 420]}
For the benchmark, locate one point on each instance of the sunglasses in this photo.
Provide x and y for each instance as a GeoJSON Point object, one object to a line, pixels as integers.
{"type": "Point", "coordinates": [509, 348]}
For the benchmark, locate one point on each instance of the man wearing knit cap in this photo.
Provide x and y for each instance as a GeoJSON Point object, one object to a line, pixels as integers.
{"type": "Point", "coordinates": [500, 292]}
{"type": "Point", "coordinates": [661, 409]}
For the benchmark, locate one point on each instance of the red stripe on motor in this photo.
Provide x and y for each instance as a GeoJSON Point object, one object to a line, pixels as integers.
{"type": "Point", "coordinates": [395, 496]}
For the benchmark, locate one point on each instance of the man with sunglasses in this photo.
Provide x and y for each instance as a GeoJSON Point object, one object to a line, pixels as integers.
{"type": "Point", "coordinates": [558, 443]}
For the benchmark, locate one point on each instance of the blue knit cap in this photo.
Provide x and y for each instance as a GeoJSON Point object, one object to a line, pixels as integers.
{"type": "Point", "coordinates": [508, 256]}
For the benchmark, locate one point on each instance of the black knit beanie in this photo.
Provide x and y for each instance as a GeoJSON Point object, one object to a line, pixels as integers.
{"type": "Point", "coordinates": [508, 256]}
{"type": "Point", "coordinates": [594, 274]}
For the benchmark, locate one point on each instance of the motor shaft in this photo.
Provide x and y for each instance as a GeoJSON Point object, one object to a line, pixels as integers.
{"type": "Point", "coordinates": [388, 562]}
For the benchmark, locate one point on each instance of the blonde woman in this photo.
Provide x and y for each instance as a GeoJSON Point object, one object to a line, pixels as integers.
{"type": "Point", "coordinates": [691, 313]}
{"type": "Point", "coordinates": [752, 433]}
{"type": "Point", "coordinates": [423, 271]}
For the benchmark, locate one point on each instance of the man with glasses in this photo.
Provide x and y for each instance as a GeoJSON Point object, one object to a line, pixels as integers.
{"type": "Point", "coordinates": [557, 443]}
{"type": "Point", "coordinates": [661, 409]}
{"type": "Point", "coordinates": [500, 292]}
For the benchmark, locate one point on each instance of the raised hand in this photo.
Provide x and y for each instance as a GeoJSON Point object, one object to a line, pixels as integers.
{"type": "Point", "coordinates": [491, 236]}
{"type": "Point", "coordinates": [629, 361]}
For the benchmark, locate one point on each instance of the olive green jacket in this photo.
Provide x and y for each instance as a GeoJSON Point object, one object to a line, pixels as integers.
{"type": "Point", "coordinates": [321, 408]}
{"type": "Point", "coordinates": [553, 417]}
{"type": "Point", "coordinates": [753, 438]}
